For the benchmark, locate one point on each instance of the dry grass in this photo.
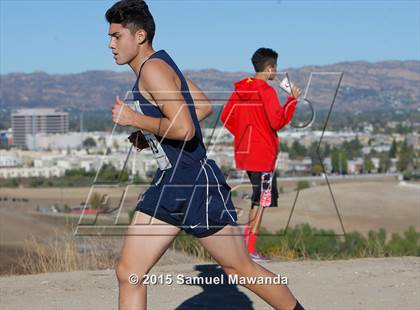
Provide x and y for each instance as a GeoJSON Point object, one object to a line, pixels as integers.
{"type": "Point", "coordinates": [282, 252]}
{"type": "Point", "coordinates": [65, 253]}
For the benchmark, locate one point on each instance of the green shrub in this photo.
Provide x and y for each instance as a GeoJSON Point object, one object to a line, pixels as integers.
{"type": "Point", "coordinates": [302, 185]}
{"type": "Point", "coordinates": [306, 242]}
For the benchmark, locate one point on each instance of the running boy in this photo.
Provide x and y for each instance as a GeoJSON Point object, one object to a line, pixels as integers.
{"type": "Point", "coordinates": [203, 210]}
{"type": "Point", "coordinates": [253, 115]}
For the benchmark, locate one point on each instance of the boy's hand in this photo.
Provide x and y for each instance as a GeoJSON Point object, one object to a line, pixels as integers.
{"type": "Point", "coordinates": [138, 140]}
{"type": "Point", "coordinates": [121, 113]}
{"type": "Point", "coordinates": [295, 92]}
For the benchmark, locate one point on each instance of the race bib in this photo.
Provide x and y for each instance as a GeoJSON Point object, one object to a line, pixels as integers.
{"type": "Point", "coordinates": [157, 149]}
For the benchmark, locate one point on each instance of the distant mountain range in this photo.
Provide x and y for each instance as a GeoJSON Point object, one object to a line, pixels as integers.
{"type": "Point", "coordinates": [365, 86]}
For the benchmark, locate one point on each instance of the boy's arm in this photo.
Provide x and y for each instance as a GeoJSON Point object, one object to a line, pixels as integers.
{"type": "Point", "coordinates": [158, 79]}
{"type": "Point", "coordinates": [203, 106]}
{"type": "Point", "coordinates": [228, 115]}
{"type": "Point", "coordinates": [278, 115]}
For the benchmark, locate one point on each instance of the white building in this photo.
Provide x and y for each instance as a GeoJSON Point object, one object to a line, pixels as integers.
{"type": "Point", "coordinates": [355, 166]}
{"type": "Point", "coordinates": [31, 172]}
{"type": "Point", "coordinates": [8, 161]}
{"type": "Point", "coordinates": [49, 141]}
{"type": "Point", "coordinates": [32, 121]}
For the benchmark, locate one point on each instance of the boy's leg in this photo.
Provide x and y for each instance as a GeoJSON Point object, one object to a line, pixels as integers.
{"type": "Point", "coordinates": [254, 178]}
{"type": "Point", "coordinates": [255, 227]}
{"type": "Point", "coordinates": [228, 249]}
{"type": "Point", "coordinates": [264, 181]}
{"type": "Point", "coordinates": [268, 189]}
{"type": "Point", "coordinates": [142, 248]}
{"type": "Point", "coordinates": [252, 215]}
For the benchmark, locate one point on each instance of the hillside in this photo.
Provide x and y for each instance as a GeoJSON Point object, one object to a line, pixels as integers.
{"type": "Point", "coordinates": [365, 86]}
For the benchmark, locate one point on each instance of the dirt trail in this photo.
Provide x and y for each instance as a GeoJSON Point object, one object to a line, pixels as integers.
{"type": "Point", "coordinates": [358, 284]}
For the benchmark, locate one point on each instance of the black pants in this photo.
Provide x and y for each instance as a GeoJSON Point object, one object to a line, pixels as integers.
{"type": "Point", "coordinates": [255, 178]}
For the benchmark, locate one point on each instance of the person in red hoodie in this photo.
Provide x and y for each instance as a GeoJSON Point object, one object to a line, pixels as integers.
{"type": "Point", "coordinates": [253, 114]}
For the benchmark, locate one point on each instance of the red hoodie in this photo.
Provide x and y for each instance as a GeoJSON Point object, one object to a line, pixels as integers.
{"type": "Point", "coordinates": [253, 115]}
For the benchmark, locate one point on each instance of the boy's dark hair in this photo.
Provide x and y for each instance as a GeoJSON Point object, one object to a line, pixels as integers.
{"type": "Point", "coordinates": [134, 15]}
{"type": "Point", "coordinates": [263, 57]}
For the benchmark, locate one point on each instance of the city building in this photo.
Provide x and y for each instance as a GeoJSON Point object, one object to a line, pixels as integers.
{"type": "Point", "coordinates": [8, 161]}
{"type": "Point", "coordinates": [26, 123]}
{"type": "Point", "coordinates": [27, 172]}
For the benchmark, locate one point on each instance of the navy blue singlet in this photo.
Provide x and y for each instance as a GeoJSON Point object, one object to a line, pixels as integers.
{"type": "Point", "coordinates": [175, 150]}
{"type": "Point", "coordinates": [193, 194]}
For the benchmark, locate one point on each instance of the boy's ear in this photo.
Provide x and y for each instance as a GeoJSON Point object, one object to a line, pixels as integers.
{"type": "Point", "coordinates": [141, 36]}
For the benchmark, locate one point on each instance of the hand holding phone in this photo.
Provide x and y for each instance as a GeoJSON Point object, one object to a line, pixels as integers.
{"type": "Point", "coordinates": [290, 88]}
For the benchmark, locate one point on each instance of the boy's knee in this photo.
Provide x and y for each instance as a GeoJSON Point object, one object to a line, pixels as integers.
{"type": "Point", "coordinates": [128, 275]}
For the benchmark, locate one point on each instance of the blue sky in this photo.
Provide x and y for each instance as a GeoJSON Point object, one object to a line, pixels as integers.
{"type": "Point", "coordinates": [71, 36]}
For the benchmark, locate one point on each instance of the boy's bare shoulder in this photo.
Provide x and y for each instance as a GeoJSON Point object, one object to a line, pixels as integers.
{"type": "Point", "coordinates": [156, 70]}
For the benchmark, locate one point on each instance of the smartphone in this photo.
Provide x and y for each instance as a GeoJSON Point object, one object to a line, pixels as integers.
{"type": "Point", "coordinates": [286, 86]}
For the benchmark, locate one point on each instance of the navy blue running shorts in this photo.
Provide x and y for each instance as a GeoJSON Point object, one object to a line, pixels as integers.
{"type": "Point", "coordinates": [194, 197]}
